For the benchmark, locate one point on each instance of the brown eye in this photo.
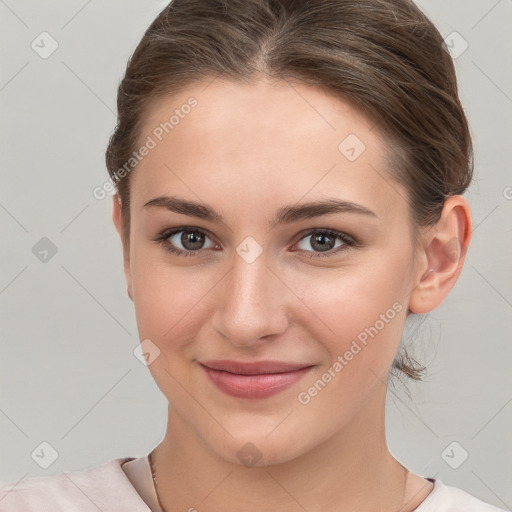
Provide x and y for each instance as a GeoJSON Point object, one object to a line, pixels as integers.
{"type": "Point", "coordinates": [190, 240]}
{"type": "Point", "coordinates": [324, 241]}
{"type": "Point", "coordinates": [185, 242]}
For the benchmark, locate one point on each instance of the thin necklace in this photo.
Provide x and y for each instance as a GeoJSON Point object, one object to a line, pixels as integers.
{"type": "Point", "coordinates": [150, 459]}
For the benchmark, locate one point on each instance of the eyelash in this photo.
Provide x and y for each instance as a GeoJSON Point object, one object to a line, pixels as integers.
{"type": "Point", "coordinates": [348, 241]}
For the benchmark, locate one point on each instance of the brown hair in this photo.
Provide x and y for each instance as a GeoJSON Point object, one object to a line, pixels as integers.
{"type": "Point", "coordinates": [384, 56]}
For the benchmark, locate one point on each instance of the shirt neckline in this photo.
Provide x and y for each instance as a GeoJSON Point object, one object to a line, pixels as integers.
{"type": "Point", "coordinates": [138, 472]}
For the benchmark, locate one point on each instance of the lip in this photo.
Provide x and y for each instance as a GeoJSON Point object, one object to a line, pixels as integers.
{"type": "Point", "coordinates": [254, 380]}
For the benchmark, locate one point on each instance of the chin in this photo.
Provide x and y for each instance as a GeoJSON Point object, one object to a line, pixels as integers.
{"type": "Point", "coordinates": [254, 448]}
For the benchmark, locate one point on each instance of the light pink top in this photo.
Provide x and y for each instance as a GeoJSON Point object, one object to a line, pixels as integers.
{"type": "Point", "coordinates": [125, 484]}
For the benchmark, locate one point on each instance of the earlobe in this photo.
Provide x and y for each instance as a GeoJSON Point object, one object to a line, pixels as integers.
{"type": "Point", "coordinates": [118, 220]}
{"type": "Point", "coordinates": [443, 255]}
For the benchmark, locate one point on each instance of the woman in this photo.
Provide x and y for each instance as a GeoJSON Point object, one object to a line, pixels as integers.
{"type": "Point", "coordinates": [289, 178]}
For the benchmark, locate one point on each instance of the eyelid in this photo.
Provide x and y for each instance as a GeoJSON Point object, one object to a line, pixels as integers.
{"type": "Point", "coordinates": [172, 231]}
{"type": "Point", "coordinates": [334, 232]}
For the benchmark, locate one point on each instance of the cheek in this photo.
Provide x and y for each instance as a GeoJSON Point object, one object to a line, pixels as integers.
{"type": "Point", "coordinates": [358, 315]}
{"type": "Point", "coordinates": [171, 302]}
{"type": "Point", "coordinates": [163, 299]}
{"type": "Point", "coordinates": [169, 311]}
{"type": "Point", "coordinates": [365, 314]}
{"type": "Point", "coordinates": [347, 300]}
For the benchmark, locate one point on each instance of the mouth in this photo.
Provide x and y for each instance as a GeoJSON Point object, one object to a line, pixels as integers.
{"type": "Point", "coordinates": [253, 380]}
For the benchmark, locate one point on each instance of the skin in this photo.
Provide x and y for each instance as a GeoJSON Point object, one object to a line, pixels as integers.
{"type": "Point", "coordinates": [247, 150]}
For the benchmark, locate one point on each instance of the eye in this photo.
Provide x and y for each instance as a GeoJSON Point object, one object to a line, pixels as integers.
{"type": "Point", "coordinates": [184, 241]}
{"type": "Point", "coordinates": [324, 241]}
{"type": "Point", "coordinates": [190, 241]}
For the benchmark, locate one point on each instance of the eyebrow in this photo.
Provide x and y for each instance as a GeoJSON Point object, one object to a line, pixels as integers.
{"type": "Point", "coordinates": [285, 215]}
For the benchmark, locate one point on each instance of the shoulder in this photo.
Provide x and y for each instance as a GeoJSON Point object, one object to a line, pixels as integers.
{"type": "Point", "coordinates": [104, 487]}
{"type": "Point", "coordinates": [445, 498]}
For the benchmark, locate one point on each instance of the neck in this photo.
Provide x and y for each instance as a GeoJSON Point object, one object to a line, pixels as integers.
{"type": "Point", "coordinates": [352, 470]}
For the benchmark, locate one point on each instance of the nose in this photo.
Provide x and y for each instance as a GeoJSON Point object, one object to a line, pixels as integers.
{"type": "Point", "coordinates": [251, 302]}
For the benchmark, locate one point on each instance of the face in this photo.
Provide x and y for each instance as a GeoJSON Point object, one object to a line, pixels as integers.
{"type": "Point", "coordinates": [260, 274]}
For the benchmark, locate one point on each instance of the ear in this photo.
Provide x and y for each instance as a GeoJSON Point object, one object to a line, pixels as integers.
{"type": "Point", "coordinates": [441, 255]}
{"type": "Point", "coordinates": [118, 220]}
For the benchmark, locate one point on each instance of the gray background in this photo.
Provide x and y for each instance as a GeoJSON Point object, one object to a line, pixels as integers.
{"type": "Point", "coordinates": [68, 373]}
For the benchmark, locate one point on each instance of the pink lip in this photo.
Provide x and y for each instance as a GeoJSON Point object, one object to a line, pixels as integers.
{"type": "Point", "coordinates": [253, 380]}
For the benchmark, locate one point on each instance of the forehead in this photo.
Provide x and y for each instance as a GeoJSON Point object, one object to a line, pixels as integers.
{"type": "Point", "coordinates": [260, 140]}
{"type": "Point", "coordinates": [260, 107]}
